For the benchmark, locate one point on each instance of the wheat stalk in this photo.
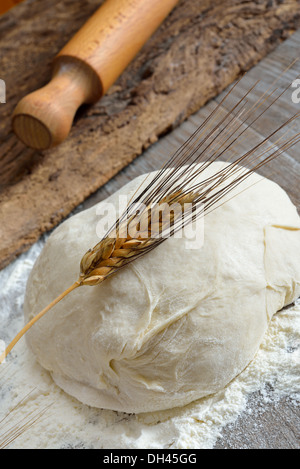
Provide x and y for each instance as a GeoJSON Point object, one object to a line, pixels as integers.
{"type": "Point", "coordinates": [11, 426]}
{"type": "Point", "coordinates": [135, 233]}
{"type": "Point", "coordinates": [12, 429]}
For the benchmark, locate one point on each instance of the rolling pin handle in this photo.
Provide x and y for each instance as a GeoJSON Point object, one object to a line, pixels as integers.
{"type": "Point", "coordinates": [44, 118]}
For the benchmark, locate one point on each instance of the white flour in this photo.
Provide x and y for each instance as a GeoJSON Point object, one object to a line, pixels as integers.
{"type": "Point", "coordinates": [66, 423]}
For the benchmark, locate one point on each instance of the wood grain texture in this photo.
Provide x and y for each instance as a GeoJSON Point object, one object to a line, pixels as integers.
{"type": "Point", "coordinates": [201, 48]}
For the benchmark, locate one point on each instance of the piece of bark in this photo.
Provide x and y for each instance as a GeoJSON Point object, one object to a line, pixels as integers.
{"type": "Point", "coordinates": [201, 48]}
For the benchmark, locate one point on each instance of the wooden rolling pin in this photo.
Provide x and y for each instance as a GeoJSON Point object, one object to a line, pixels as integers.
{"type": "Point", "coordinates": [86, 67]}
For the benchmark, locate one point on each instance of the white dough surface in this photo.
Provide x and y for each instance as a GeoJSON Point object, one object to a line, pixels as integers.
{"type": "Point", "coordinates": [176, 325]}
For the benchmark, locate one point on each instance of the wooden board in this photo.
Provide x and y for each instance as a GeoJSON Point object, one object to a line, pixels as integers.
{"type": "Point", "coordinates": [201, 48]}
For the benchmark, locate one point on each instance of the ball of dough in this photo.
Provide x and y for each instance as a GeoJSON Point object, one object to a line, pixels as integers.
{"type": "Point", "coordinates": [177, 324]}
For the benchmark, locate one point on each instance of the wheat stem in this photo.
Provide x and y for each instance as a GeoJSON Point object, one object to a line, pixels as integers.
{"type": "Point", "coordinates": [35, 319]}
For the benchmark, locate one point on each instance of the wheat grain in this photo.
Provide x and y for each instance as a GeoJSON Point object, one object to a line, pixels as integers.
{"type": "Point", "coordinates": [134, 237]}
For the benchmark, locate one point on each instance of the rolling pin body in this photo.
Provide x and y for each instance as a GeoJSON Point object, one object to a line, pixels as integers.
{"type": "Point", "coordinates": [86, 67]}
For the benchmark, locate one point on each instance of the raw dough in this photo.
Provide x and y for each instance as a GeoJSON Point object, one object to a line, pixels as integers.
{"type": "Point", "coordinates": [176, 324]}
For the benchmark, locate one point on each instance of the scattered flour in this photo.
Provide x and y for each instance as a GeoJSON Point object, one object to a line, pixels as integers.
{"type": "Point", "coordinates": [66, 423]}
